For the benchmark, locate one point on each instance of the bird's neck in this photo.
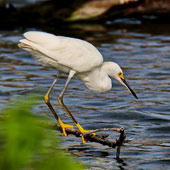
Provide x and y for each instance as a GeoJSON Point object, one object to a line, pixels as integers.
{"type": "Point", "coordinates": [104, 79]}
{"type": "Point", "coordinates": [97, 79]}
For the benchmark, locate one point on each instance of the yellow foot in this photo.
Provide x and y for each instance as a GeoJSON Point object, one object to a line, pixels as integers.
{"type": "Point", "coordinates": [83, 131]}
{"type": "Point", "coordinates": [46, 98]}
{"type": "Point", "coordinates": [64, 126]}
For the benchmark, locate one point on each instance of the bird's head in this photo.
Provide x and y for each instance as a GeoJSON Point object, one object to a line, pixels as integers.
{"type": "Point", "coordinates": [116, 72]}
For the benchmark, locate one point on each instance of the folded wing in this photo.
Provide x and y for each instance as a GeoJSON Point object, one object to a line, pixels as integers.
{"type": "Point", "coordinates": [73, 53]}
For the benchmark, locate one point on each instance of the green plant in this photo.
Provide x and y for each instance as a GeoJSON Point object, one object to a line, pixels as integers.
{"type": "Point", "coordinates": [25, 144]}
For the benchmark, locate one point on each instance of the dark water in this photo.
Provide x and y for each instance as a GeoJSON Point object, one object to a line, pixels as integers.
{"type": "Point", "coordinates": [143, 52]}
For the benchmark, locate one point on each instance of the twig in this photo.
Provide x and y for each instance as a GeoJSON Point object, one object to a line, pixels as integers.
{"type": "Point", "coordinates": [106, 129]}
{"type": "Point", "coordinates": [120, 142]}
{"type": "Point", "coordinates": [97, 138]}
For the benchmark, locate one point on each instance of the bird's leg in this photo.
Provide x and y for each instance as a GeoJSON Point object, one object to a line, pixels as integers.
{"type": "Point", "coordinates": [47, 101]}
{"type": "Point", "coordinates": [61, 103]}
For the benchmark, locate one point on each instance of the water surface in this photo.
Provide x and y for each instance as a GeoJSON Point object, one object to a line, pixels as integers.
{"type": "Point", "coordinates": [142, 50]}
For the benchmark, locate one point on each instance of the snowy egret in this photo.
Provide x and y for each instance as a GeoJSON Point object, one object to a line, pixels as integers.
{"type": "Point", "coordinates": [76, 58]}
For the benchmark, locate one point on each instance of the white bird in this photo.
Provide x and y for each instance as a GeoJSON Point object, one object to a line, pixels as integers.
{"type": "Point", "coordinates": [76, 58]}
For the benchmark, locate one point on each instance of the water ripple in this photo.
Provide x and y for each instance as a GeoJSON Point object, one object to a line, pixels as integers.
{"type": "Point", "coordinates": [144, 55]}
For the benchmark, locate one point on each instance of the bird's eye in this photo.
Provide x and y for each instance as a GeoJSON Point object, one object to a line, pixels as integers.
{"type": "Point", "coordinates": [120, 74]}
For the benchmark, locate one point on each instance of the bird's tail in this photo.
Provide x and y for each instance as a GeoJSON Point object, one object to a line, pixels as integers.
{"type": "Point", "coordinates": [26, 45]}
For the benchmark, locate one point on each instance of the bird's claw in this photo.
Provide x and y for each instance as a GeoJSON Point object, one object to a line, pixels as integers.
{"type": "Point", "coordinates": [63, 126]}
{"type": "Point", "coordinates": [83, 132]}
{"type": "Point", "coordinates": [84, 140]}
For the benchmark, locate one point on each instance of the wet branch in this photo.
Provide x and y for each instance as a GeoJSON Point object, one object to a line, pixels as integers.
{"type": "Point", "coordinates": [102, 139]}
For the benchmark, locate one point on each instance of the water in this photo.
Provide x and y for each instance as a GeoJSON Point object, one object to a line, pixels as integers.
{"type": "Point", "coordinates": [143, 52]}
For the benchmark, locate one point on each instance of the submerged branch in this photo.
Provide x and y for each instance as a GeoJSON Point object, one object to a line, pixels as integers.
{"type": "Point", "coordinates": [102, 139]}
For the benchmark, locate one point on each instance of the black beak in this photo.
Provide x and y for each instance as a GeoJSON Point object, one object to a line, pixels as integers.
{"type": "Point", "coordinates": [133, 93]}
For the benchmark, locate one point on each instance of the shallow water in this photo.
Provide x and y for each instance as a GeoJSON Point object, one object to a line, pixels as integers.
{"type": "Point", "coordinates": [142, 50]}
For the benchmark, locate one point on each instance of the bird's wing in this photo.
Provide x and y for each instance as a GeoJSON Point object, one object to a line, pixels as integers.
{"type": "Point", "coordinates": [74, 53]}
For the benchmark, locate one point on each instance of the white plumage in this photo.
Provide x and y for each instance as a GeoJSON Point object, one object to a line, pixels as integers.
{"type": "Point", "coordinates": [68, 52]}
{"type": "Point", "coordinates": [77, 58]}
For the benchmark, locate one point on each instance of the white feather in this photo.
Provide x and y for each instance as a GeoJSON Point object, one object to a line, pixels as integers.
{"type": "Point", "coordinates": [65, 51]}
